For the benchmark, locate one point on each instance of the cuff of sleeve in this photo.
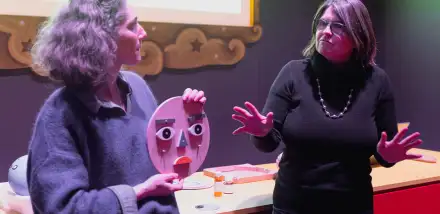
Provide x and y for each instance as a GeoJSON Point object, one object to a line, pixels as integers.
{"type": "Point", "coordinates": [269, 135]}
{"type": "Point", "coordinates": [126, 197]}
{"type": "Point", "coordinates": [383, 162]}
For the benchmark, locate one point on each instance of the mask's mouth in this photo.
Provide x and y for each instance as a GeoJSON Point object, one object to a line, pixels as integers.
{"type": "Point", "coordinates": [182, 160]}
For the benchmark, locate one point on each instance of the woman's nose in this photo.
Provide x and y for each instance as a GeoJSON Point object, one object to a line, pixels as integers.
{"type": "Point", "coordinates": [142, 34]}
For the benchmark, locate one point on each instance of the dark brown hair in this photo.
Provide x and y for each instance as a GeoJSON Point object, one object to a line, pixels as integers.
{"type": "Point", "coordinates": [355, 17]}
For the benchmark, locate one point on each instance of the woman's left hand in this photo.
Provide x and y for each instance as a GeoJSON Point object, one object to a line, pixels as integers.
{"type": "Point", "coordinates": [396, 149]}
{"type": "Point", "coordinates": [193, 95]}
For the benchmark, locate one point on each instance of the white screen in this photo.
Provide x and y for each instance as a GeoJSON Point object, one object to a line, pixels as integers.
{"type": "Point", "coordinates": [221, 6]}
{"type": "Point", "coordinates": [208, 12]}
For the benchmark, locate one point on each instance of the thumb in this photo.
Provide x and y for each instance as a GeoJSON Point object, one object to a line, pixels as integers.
{"type": "Point", "coordinates": [383, 140]}
{"type": "Point", "coordinates": [169, 176]}
{"type": "Point", "coordinates": [174, 186]}
{"type": "Point", "coordinates": [239, 130]}
{"type": "Point", "coordinates": [269, 118]}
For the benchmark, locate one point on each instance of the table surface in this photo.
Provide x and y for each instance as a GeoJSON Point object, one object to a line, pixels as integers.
{"type": "Point", "coordinates": [252, 197]}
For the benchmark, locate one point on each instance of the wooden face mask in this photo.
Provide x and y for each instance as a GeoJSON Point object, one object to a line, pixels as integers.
{"type": "Point", "coordinates": [178, 137]}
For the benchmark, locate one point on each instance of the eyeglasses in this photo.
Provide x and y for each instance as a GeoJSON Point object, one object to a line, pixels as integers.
{"type": "Point", "coordinates": [335, 27]}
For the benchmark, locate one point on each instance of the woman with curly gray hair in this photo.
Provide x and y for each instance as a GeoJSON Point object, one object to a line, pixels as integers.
{"type": "Point", "coordinates": [88, 149]}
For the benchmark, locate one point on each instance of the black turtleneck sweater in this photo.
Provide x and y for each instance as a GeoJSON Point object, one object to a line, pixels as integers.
{"type": "Point", "coordinates": [325, 166]}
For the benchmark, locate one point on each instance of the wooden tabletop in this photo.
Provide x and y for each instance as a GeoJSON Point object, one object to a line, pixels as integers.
{"type": "Point", "coordinates": [252, 197]}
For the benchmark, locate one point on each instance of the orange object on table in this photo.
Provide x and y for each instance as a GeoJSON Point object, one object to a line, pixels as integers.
{"type": "Point", "coordinates": [409, 185]}
{"type": "Point", "coordinates": [243, 173]}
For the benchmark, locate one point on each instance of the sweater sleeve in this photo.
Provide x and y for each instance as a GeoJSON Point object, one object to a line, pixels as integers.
{"type": "Point", "coordinates": [279, 102]}
{"type": "Point", "coordinates": [385, 116]}
{"type": "Point", "coordinates": [56, 174]}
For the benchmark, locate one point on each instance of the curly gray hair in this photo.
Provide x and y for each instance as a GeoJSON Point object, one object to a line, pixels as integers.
{"type": "Point", "coordinates": [76, 45]}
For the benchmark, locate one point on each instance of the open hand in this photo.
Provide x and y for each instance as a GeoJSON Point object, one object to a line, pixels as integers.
{"type": "Point", "coordinates": [253, 123]}
{"type": "Point", "coordinates": [397, 149]}
{"type": "Point", "coordinates": [159, 185]}
{"type": "Point", "coordinates": [193, 95]}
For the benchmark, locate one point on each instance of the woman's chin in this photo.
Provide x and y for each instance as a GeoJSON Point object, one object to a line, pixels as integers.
{"type": "Point", "coordinates": [133, 62]}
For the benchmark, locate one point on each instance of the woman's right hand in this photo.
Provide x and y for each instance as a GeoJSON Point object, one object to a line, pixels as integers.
{"type": "Point", "coordinates": [159, 185]}
{"type": "Point", "coordinates": [253, 123]}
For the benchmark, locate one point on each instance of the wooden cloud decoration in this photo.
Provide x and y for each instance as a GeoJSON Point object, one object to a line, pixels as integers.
{"type": "Point", "coordinates": [169, 44]}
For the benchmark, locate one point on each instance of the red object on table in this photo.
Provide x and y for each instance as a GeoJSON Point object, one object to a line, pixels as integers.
{"type": "Point", "coordinates": [416, 200]}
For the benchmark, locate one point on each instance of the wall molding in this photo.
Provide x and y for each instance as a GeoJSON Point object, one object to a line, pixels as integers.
{"type": "Point", "coordinates": [169, 45]}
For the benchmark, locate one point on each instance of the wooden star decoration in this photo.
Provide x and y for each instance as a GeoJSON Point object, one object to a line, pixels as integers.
{"type": "Point", "coordinates": [26, 46]}
{"type": "Point", "coordinates": [196, 45]}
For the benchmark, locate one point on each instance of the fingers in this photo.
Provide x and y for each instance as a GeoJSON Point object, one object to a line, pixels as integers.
{"type": "Point", "coordinates": [199, 95]}
{"type": "Point", "coordinates": [269, 118]}
{"type": "Point", "coordinates": [253, 110]}
{"type": "Point", "coordinates": [242, 111]}
{"type": "Point", "coordinates": [239, 118]}
{"type": "Point", "coordinates": [414, 144]}
{"type": "Point", "coordinates": [203, 100]}
{"type": "Point", "coordinates": [410, 139]}
{"type": "Point", "coordinates": [192, 95]}
{"type": "Point", "coordinates": [427, 159]}
{"type": "Point", "coordinates": [411, 156]}
{"type": "Point", "coordinates": [383, 140]}
{"type": "Point", "coordinates": [400, 135]}
{"type": "Point", "coordinates": [186, 94]}
{"type": "Point", "coordinates": [173, 186]}
{"type": "Point", "coordinates": [239, 130]}
{"type": "Point", "coordinates": [169, 176]}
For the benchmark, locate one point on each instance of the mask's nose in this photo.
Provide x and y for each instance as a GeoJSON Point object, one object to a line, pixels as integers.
{"type": "Point", "coordinates": [182, 140]}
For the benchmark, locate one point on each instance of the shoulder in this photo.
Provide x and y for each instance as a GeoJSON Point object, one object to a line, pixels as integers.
{"type": "Point", "coordinates": [292, 72]}
{"type": "Point", "coordinates": [56, 106]}
{"type": "Point", "coordinates": [379, 72]}
{"type": "Point", "coordinates": [132, 77]}
{"type": "Point", "coordinates": [292, 68]}
{"type": "Point", "coordinates": [380, 77]}
{"type": "Point", "coordinates": [139, 86]}
{"type": "Point", "coordinates": [136, 82]}
{"type": "Point", "coordinates": [56, 113]}
{"type": "Point", "coordinates": [297, 63]}
{"type": "Point", "coordinates": [53, 118]}
{"type": "Point", "coordinates": [381, 83]}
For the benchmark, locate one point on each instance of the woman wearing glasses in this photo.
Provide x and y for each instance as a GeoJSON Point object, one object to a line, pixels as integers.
{"type": "Point", "coordinates": [333, 110]}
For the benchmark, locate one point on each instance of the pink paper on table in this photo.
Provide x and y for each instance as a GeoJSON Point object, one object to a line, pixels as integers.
{"type": "Point", "coordinates": [178, 137]}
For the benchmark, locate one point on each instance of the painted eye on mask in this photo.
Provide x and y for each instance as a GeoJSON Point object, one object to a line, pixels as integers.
{"type": "Point", "coordinates": [196, 129]}
{"type": "Point", "coordinates": [165, 133]}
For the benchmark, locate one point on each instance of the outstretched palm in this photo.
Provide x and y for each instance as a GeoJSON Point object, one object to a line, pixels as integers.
{"type": "Point", "coordinates": [396, 149]}
{"type": "Point", "coordinates": [253, 122]}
